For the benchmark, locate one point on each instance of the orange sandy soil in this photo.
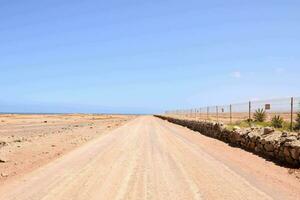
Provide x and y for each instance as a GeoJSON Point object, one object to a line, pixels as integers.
{"type": "Point", "coordinates": [30, 141]}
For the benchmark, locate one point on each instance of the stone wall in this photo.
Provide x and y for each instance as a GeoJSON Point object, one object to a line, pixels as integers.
{"type": "Point", "coordinates": [281, 147]}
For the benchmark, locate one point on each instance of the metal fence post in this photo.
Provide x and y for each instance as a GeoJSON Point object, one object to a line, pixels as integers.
{"type": "Point", "coordinates": [200, 113]}
{"type": "Point", "coordinates": [230, 113]}
{"type": "Point", "coordinates": [207, 113]}
{"type": "Point", "coordinates": [249, 112]}
{"type": "Point", "coordinates": [292, 112]}
{"type": "Point", "coordinates": [217, 111]}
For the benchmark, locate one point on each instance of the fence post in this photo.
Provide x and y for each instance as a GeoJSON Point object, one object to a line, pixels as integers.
{"type": "Point", "coordinates": [249, 112]}
{"type": "Point", "coordinates": [217, 111]}
{"type": "Point", "coordinates": [200, 114]}
{"type": "Point", "coordinates": [230, 113]}
{"type": "Point", "coordinates": [207, 113]}
{"type": "Point", "coordinates": [292, 112]}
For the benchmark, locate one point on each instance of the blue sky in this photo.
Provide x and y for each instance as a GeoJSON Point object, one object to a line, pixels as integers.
{"type": "Point", "coordinates": [145, 56]}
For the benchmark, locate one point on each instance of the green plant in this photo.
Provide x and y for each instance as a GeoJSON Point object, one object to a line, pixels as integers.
{"type": "Point", "coordinates": [260, 115]}
{"type": "Point", "coordinates": [297, 126]}
{"type": "Point", "coordinates": [277, 121]}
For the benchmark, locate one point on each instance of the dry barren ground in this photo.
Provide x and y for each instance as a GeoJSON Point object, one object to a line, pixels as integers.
{"type": "Point", "coordinates": [30, 141]}
{"type": "Point", "coordinates": [236, 116]}
{"type": "Point", "coordinates": [149, 158]}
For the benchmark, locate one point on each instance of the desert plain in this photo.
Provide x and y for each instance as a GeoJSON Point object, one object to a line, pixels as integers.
{"type": "Point", "coordinates": [33, 140]}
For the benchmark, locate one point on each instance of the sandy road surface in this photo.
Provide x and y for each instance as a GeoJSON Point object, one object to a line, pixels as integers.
{"type": "Point", "coordinates": [148, 158]}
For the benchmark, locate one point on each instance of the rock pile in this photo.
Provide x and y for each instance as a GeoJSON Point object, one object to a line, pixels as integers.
{"type": "Point", "coordinates": [279, 146]}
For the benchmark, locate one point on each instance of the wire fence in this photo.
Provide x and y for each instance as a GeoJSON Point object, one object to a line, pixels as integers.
{"type": "Point", "coordinates": [286, 108]}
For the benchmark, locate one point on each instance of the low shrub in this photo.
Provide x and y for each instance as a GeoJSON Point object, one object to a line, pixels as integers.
{"type": "Point", "coordinates": [277, 121]}
{"type": "Point", "coordinates": [260, 115]}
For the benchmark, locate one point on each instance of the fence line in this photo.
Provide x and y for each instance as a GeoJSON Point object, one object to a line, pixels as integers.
{"type": "Point", "coordinates": [285, 108]}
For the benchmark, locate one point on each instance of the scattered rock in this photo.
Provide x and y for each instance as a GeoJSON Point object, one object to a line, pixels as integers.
{"type": "Point", "coordinates": [3, 160]}
{"type": "Point", "coordinates": [4, 175]}
{"type": "Point", "coordinates": [3, 143]}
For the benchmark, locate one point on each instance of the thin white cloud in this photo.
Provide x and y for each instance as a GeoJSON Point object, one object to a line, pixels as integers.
{"type": "Point", "coordinates": [236, 74]}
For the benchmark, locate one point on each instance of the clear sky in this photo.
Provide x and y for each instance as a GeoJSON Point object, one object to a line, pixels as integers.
{"type": "Point", "coordinates": [145, 56]}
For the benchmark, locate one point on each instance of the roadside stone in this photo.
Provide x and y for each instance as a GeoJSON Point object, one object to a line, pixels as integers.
{"type": "Point", "coordinates": [257, 149]}
{"type": "Point", "coordinates": [286, 152]}
{"type": "Point", "coordinates": [252, 145]}
{"type": "Point", "coordinates": [268, 130]}
{"type": "Point", "coordinates": [270, 154]}
{"type": "Point", "coordinates": [269, 147]}
{"type": "Point", "coordinates": [290, 139]}
{"type": "Point", "coordinates": [295, 153]}
{"type": "Point", "coordinates": [290, 160]}
{"type": "Point", "coordinates": [263, 142]}
{"type": "Point", "coordinates": [282, 146]}
{"type": "Point", "coordinates": [284, 134]}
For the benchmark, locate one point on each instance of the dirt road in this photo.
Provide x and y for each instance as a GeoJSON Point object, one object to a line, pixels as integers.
{"type": "Point", "coordinates": [148, 158]}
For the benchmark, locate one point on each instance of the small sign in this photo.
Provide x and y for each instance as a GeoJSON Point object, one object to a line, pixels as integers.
{"type": "Point", "coordinates": [268, 106]}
